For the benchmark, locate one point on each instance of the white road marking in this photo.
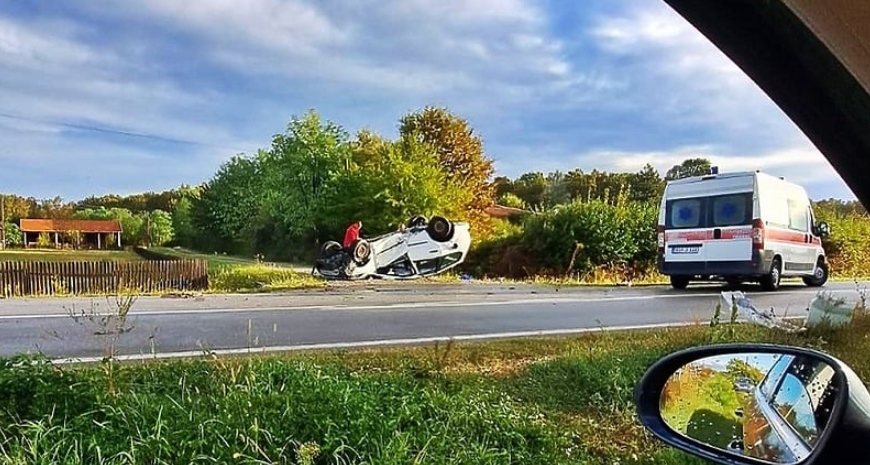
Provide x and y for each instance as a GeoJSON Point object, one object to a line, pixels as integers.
{"type": "Point", "coordinates": [447, 304]}
{"type": "Point", "coordinates": [377, 343]}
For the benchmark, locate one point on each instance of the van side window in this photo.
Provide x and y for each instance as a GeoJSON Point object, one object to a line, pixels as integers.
{"type": "Point", "coordinates": [685, 213]}
{"type": "Point", "coordinates": [730, 210]}
{"type": "Point", "coordinates": [798, 216]}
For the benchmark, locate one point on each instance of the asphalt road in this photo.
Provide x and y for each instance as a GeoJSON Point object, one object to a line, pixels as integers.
{"type": "Point", "coordinates": [364, 315]}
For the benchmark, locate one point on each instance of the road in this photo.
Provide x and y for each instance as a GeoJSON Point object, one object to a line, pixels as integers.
{"type": "Point", "coordinates": [365, 315]}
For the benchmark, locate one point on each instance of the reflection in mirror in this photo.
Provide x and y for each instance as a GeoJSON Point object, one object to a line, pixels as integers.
{"type": "Point", "coordinates": [768, 406]}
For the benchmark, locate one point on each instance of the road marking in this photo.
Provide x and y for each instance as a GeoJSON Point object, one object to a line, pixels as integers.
{"type": "Point", "coordinates": [394, 306]}
{"type": "Point", "coordinates": [379, 343]}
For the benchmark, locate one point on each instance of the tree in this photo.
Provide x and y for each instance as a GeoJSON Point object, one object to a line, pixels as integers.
{"type": "Point", "coordinates": [182, 222]}
{"type": "Point", "coordinates": [229, 205]}
{"type": "Point", "coordinates": [300, 171]}
{"type": "Point", "coordinates": [158, 227]}
{"type": "Point", "coordinates": [557, 189]}
{"type": "Point", "coordinates": [394, 181]}
{"type": "Point", "coordinates": [688, 168]}
{"type": "Point", "coordinates": [459, 151]}
{"type": "Point", "coordinates": [511, 200]}
{"type": "Point", "coordinates": [646, 185]}
{"type": "Point", "coordinates": [14, 236]}
{"type": "Point", "coordinates": [531, 188]}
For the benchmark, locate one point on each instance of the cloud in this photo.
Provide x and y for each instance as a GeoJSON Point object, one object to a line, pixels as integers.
{"type": "Point", "coordinates": [541, 81]}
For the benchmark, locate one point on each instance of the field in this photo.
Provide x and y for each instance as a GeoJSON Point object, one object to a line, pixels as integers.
{"type": "Point", "coordinates": [531, 401]}
{"type": "Point", "coordinates": [52, 255]}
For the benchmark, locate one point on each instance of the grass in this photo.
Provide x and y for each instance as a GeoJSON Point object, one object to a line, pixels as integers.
{"type": "Point", "coordinates": [261, 278]}
{"type": "Point", "coordinates": [215, 261]}
{"type": "Point", "coordinates": [531, 401]}
{"type": "Point", "coordinates": [54, 255]}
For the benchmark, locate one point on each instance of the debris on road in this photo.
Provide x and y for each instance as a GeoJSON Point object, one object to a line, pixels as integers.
{"type": "Point", "coordinates": [827, 309]}
{"type": "Point", "coordinates": [747, 309]}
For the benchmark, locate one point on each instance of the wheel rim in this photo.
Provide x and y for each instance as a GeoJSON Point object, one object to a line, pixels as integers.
{"type": "Point", "coordinates": [361, 252]}
{"type": "Point", "coordinates": [440, 227]}
{"type": "Point", "coordinates": [820, 273]}
{"type": "Point", "coordinates": [775, 274]}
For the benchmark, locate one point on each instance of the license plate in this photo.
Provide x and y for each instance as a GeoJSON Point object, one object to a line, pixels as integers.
{"type": "Point", "coordinates": [685, 250]}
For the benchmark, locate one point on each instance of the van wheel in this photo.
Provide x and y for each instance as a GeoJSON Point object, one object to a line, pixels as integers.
{"type": "Point", "coordinates": [417, 221]}
{"type": "Point", "coordinates": [440, 229]}
{"type": "Point", "coordinates": [361, 251]}
{"type": "Point", "coordinates": [679, 282]}
{"type": "Point", "coordinates": [820, 275]}
{"type": "Point", "coordinates": [772, 280]}
{"type": "Point", "coordinates": [329, 249]}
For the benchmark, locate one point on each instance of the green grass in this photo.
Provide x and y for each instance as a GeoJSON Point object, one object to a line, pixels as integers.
{"type": "Point", "coordinates": [53, 255]}
{"type": "Point", "coordinates": [525, 401]}
{"type": "Point", "coordinates": [216, 261]}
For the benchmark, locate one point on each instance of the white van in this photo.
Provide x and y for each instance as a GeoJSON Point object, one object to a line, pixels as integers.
{"type": "Point", "coordinates": [737, 227]}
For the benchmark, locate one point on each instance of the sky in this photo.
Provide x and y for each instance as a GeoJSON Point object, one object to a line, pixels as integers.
{"type": "Point", "coordinates": [105, 97]}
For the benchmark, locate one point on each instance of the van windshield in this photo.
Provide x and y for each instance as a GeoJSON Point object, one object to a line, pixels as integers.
{"type": "Point", "coordinates": [719, 211]}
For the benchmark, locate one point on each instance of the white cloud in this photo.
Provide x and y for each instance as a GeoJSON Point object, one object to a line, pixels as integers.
{"type": "Point", "coordinates": [800, 164]}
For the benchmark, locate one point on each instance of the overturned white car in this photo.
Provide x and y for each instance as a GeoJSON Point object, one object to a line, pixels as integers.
{"type": "Point", "coordinates": [424, 248]}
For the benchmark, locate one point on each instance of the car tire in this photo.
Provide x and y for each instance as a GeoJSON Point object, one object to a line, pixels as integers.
{"type": "Point", "coordinates": [772, 280]}
{"type": "Point", "coordinates": [440, 229]}
{"type": "Point", "coordinates": [417, 221]}
{"type": "Point", "coordinates": [329, 249]}
{"type": "Point", "coordinates": [679, 282]}
{"type": "Point", "coordinates": [820, 275]}
{"type": "Point", "coordinates": [361, 251]}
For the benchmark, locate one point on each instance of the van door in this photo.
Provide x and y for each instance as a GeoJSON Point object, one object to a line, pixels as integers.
{"type": "Point", "coordinates": [730, 222]}
{"type": "Point", "coordinates": [800, 239]}
{"type": "Point", "coordinates": [685, 234]}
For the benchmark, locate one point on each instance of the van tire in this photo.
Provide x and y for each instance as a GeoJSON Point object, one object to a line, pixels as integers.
{"type": "Point", "coordinates": [772, 280]}
{"type": "Point", "coordinates": [820, 275]}
{"type": "Point", "coordinates": [361, 252]}
{"type": "Point", "coordinates": [679, 282]}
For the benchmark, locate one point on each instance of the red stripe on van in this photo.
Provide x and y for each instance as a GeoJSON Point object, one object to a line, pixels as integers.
{"type": "Point", "coordinates": [708, 235]}
{"type": "Point", "coordinates": [784, 235]}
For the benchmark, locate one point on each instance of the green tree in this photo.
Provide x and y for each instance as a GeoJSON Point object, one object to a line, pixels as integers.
{"type": "Point", "coordinates": [531, 188]}
{"type": "Point", "coordinates": [300, 171]}
{"type": "Point", "coordinates": [646, 185]}
{"type": "Point", "coordinates": [557, 189]}
{"type": "Point", "coordinates": [688, 168]}
{"type": "Point", "coordinates": [13, 235]}
{"type": "Point", "coordinates": [182, 222]}
{"type": "Point", "coordinates": [158, 227]}
{"type": "Point", "coordinates": [511, 200]}
{"type": "Point", "coordinates": [395, 181]}
{"type": "Point", "coordinates": [460, 152]}
{"type": "Point", "coordinates": [229, 205]}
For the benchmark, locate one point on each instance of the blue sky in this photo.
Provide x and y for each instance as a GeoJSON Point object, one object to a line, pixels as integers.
{"type": "Point", "coordinates": [607, 84]}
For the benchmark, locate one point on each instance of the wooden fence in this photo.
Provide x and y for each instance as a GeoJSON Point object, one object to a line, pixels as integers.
{"type": "Point", "coordinates": [33, 278]}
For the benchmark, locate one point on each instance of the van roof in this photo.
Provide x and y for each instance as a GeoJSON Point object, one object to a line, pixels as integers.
{"type": "Point", "coordinates": [735, 174]}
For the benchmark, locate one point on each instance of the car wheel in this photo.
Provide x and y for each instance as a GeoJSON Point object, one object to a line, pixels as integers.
{"type": "Point", "coordinates": [440, 229]}
{"type": "Point", "coordinates": [361, 251]}
{"type": "Point", "coordinates": [772, 280]}
{"type": "Point", "coordinates": [679, 282]}
{"type": "Point", "coordinates": [329, 248]}
{"type": "Point", "coordinates": [417, 221]}
{"type": "Point", "coordinates": [820, 275]}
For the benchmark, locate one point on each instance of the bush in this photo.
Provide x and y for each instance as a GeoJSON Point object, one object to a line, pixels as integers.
{"type": "Point", "coordinates": [572, 239]}
{"type": "Point", "coordinates": [848, 247]}
{"type": "Point", "coordinates": [260, 278]}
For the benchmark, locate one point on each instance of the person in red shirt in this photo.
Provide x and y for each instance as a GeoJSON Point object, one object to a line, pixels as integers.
{"type": "Point", "coordinates": [351, 234]}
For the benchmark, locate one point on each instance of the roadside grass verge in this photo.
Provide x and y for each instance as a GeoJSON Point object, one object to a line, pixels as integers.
{"type": "Point", "coordinates": [525, 401]}
{"type": "Point", "coordinates": [55, 255]}
{"type": "Point", "coordinates": [261, 278]}
{"type": "Point", "coordinates": [215, 261]}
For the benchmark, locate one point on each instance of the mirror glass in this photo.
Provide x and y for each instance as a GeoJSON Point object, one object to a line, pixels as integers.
{"type": "Point", "coordinates": [768, 406]}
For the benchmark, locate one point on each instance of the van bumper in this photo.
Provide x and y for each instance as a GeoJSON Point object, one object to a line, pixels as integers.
{"type": "Point", "coordinates": [758, 265]}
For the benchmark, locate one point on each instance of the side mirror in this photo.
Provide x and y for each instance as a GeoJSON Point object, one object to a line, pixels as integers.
{"type": "Point", "coordinates": [822, 230]}
{"type": "Point", "coordinates": [757, 404]}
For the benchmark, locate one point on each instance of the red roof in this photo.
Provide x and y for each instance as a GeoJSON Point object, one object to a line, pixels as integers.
{"type": "Point", "coordinates": [85, 226]}
{"type": "Point", "coordinates": [500, 211]}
